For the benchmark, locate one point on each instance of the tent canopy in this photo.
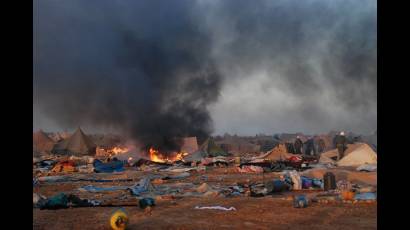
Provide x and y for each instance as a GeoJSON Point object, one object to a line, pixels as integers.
{"type": "Point", "coordinates": [360, 153]}
{"type": "Point", "coordinates": [277, 153]}
{"type": "Point", "coordinates": [189, 145]}
{"type": "Point", "coordinates": [41, 142]}
{"type": "Point", "coordinates": [76, 144]}
{"type": "Point", "coordinates": [355, 155]}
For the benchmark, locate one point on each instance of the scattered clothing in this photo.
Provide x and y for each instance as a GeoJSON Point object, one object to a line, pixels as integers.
{"type": "Point", "coordinates": [216, 208]}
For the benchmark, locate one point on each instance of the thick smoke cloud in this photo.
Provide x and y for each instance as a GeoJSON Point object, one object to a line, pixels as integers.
{"type": "Point", "coordinates": [140, 67]}
{"type": "Point", "coordinates": [154, 69]}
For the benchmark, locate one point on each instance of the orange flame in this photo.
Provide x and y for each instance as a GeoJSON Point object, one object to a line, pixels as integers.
{"type": "Point", "coordinates": [156, 156]}
{"type": "Point", "coordinates": [118, 150]}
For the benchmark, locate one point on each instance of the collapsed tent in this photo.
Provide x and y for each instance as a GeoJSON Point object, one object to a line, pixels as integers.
{"type": "Point", "coordinates": [195, 157]}
{"type": "Point", "coordinates": [355, 155]}
{"type": "Point", "coordinates": [42, 143]}
{"type": "Point", "coordinates": [277, 153]}
{"type": "Point", "coordinates": [76, 144]}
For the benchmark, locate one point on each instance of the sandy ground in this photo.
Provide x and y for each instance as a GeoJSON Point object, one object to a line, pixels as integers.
{"type": "Point", "coordinates": [270, 212]}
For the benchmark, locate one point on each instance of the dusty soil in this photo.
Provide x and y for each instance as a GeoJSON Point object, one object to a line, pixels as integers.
{"type": "Point", "coordinates": [270, 212]}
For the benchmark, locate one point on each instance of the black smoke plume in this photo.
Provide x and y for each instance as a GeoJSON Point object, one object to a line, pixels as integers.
{"type": "Point", "coordinates": [154, 69]}
{"type": "Point", "coordinates": [140, 67]}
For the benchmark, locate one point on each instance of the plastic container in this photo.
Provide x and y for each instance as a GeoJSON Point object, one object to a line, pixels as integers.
{"type": "Point", "coordinates": [347, 195]}
{"type": "Point", "coordinates": [300, 201]}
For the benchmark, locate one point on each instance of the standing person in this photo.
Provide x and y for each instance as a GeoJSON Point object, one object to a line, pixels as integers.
{"type": "Point", "coordinates": [310, 146]}
{"type": "Point", "coordinates": [298, 145]}
{"type": "Point", "coordinates": [341, 143]}
{"type": "Point", "coordinates": [321, 146]}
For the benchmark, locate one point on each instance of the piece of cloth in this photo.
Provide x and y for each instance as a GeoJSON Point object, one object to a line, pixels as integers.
{"type": "Point", "coordinates": [295, 177]}
{"type": "Point", "coordinates": [216, 208]}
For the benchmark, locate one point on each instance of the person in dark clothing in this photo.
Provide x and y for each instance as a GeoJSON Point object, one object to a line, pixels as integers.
{"type": "Point", "coordinates": [298, 145]}
{"type": "Point", "coordinates": [341, 143]}
{"type": "Point", "coordinates": [310, 146]}
{"type": "Point", "coordinates": [290, 148]}
{"type": "Point", "coordinates": [321, 146]}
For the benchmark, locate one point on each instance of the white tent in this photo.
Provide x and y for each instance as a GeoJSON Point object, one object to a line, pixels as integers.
{"type": "Point", "coordinates": [360, 153]}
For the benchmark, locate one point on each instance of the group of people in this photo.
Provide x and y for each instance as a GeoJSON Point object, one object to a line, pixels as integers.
{"type": "Point", "coordinates": [340, 143]}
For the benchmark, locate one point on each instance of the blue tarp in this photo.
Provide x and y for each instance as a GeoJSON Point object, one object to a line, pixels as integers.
{"type": "Point", "coordinates": [109, 167]}
{"type": "Point", "coordinates": [143, 186]}
{"type": "Point", "coordinates": [365, 196]}
{"type": "Point", "coordinates": [91, 188]}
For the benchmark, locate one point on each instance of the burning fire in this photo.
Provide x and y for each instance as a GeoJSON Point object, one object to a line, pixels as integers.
{"type": "Point", "coordinates": [118, 150]}
{"type": "Point", "coordinates": [156, 156]}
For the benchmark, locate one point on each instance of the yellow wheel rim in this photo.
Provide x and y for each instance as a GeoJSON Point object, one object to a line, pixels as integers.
{"type": "Point", "coordinates": [119, 220]}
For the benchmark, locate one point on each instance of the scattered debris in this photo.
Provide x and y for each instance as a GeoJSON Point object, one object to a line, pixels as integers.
{"type": "Point", "coordinates": [216, 208]}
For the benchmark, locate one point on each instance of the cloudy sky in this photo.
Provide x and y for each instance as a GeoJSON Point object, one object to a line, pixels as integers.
{"type": "Point", "coordinates": [205, 67]}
